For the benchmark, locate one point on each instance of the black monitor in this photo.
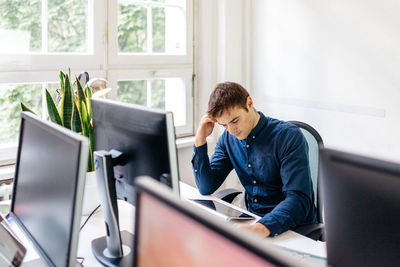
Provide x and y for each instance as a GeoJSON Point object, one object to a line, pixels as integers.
{"type": "Point", "coordinates": [361, 199]}
{"type": "Point", "coordinates": [130, 141]}
{"type": "Point", "coordinates": [48, 188]}
{"type": "Point", "coordinates": [188, 236]}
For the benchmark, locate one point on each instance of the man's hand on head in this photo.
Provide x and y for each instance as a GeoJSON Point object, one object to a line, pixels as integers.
{"type": "Point", "coordinates": [206, 127]}
{"type": "Point", "coordinates": [258, 228]}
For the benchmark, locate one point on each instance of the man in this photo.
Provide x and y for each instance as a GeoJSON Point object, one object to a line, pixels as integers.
{"type": "Point", "coordinates": [269, 156]}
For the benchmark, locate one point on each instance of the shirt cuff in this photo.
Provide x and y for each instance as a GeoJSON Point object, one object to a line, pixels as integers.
{"type": "Point", "coordinates": [200, 152]}
{"type": "Point", "coordinates": [200, 149]}
{"type": "Point", "coordinates": [273, 226]}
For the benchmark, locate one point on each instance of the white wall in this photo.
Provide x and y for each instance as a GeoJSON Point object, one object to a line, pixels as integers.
{"type": "Point", "coordinates": [221, 46]}
{"type": "Point", "coordinates": [334, 64]}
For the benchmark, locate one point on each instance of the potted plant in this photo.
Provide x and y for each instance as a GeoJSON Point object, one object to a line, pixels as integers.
{"type": "Point", "coordinates": [74, 111]}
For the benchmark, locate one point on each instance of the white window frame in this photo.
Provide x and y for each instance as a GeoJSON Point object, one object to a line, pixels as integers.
{"type": "Point", "coordinates": [93, 59]}
{"type": "Point", "coordinates": [103, 61]}
{"type": "Point", "coordinates": [185, 74]}
{"type": "Point", "coordinates": [143, 59]}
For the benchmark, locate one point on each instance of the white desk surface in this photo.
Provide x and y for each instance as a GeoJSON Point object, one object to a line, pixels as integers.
{"type": "Point", "coordinates": [306, 250]}
{"type": "Point", "coordinates": [296, 245]}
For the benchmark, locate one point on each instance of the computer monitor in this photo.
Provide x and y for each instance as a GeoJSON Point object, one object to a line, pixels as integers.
{"type": "Point", "coordinates": [130, 141]}
{"type": "Point", "coordinates": [187, 236]}
{"type": "Point", "coordinates": [361, 199]}
{"type": "Point", "coordinates": [48, 188]}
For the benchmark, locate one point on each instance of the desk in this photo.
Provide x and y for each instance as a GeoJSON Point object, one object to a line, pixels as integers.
{"type": "Point", "coordinates": [291, 243]}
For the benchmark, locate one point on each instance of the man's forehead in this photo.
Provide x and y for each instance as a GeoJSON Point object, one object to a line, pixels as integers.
{"type": "Point", "coordinates": [228, 115]}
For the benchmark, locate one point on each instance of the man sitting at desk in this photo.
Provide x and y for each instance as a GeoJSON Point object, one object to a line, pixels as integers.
{"type": "Point", "coordinates": [269, 156]}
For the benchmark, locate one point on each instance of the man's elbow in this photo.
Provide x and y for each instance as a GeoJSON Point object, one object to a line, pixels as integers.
{"type": "Point", "coordinates": [205, 190]}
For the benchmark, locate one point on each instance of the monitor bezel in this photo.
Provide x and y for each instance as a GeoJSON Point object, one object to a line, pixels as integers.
{"type": "Point", "coordinates": [83, 144]}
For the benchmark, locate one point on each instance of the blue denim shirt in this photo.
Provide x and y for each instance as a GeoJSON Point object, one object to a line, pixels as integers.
{"type": "Point", "coordinates": [272, 165]}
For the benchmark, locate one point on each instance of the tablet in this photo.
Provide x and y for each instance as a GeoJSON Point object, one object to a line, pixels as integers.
{"type": "Point", "coordinates": [229, 212]}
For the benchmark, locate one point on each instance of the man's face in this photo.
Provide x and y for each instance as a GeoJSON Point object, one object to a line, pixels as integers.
{"type": "Point", "coordinates": [237, 121]}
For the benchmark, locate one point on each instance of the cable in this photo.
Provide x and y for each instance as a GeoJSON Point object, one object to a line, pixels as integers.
{"type": "Point", "coordinates": [90, 215]}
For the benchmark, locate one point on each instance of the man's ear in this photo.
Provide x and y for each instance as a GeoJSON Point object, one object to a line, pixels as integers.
{"type": "Point", "coordinates": [249, 102]}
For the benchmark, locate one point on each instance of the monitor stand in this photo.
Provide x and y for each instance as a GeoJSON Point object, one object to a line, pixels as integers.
{"type": "Point", "coordinates": [116, 248]}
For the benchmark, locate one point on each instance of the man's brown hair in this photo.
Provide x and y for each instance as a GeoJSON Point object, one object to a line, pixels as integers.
{"type": "Point", "coordinates": [225, 96]}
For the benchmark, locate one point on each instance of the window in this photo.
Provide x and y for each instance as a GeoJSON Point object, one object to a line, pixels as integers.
{"type": "Point", "coordinates": [143, 48]}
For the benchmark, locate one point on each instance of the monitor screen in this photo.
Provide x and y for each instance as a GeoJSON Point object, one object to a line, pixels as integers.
{"type": "Point", "coordinates": [144, 136]}
{"type": "Point", "coordinates": [48, 188]}
{"type": "Point", "coordinates": [187, 237]}
{"type": "Point", "coordinates": [362, 209]}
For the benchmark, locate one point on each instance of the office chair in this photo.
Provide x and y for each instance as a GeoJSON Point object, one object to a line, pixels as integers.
{"type": "Point", "coordinates": [314, 141]}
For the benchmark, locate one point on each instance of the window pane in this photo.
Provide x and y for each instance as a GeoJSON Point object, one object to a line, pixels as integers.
{"type": "Point", "coordinates": [158, 94]}
{"type": "Point", "coordinates": [133, 92]}
{"type": "Point", "coordinates": [169, 30]}
{"type": "Point", "coordinates": [10, 97]}
{"type": "Point", "coordinates": [67, 26]}
{"type": "Point", "coordinates": [132, 28]}
{"type": "Point", "coordinates": [175, 99]}
{"type": "Point", "coordinates": [164, 31]}
{"type": "Point", "coordinates": [158, 14]}
{"type": "Point", "coordinates": [166, 93]}
{"type": "Point", "coordinates": [20, 26]}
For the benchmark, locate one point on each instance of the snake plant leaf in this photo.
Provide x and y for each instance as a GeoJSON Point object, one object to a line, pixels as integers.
{"type": "Point", "coordinates": [62, 82]}
{"type": "Point", "coordinates": [84, 120]}
{"type": "Point", "coordinates": [79, 91]}
{"type": "Point", "coordinates": [67, 103]}
{"type": "Point", "coordinates": [52, 109]}
{"type": "Point", "coordinates": [88, 103]}
{"type": "Point", "coordinates": [76, 120]}
{"type": "Point", "coordinates": [91, 149]}
{"type": "Point", "coordinates": [25, 108]}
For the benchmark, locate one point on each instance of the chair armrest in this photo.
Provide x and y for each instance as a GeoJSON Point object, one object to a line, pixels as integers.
{"type": "Point", "coordinates": [228, 194]}
{"type": "Point", "coordinates": [314, 231]}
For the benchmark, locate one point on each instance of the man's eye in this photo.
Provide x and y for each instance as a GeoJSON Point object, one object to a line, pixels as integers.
{"type": "Point", "coordinates": [235, 121]}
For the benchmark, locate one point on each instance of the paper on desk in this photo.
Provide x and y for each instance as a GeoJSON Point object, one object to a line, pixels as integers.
{"type": "Point", "coordinates": [294, 241]}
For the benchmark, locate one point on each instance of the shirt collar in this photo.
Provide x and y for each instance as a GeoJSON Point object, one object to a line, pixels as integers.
{"type": "Point", "coordinates": [260, 125]}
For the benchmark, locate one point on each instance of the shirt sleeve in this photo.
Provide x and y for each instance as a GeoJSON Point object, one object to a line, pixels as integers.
{"type": "Point", "coordinates": [210, 174]}
{"type": "Point", "coordinates": [297, 207]}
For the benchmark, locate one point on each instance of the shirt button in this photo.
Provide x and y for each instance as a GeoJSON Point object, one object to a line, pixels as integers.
{"type": "Point", "coordinates": [254, 137]}
{"type": "Point", "coordinates": [195, 170]}
{"type": "Point", "coordinates": [255, 200]}
{"type": "Point", "coordinates": [247, 146]}
{"type": "Point", "coordinates": [254, 181]}
{"type": "Point", "coordinates": [249, 165]}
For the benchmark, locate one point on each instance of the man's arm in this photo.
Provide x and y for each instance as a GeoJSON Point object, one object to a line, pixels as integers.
{"type": "Point", "coordinates": [297, 208]}
{"type": "Point", "coordinates": [209, 175]}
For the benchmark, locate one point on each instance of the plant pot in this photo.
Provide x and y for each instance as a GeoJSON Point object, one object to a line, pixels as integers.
{"type": "Point", "coordinates": [90, 195]}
